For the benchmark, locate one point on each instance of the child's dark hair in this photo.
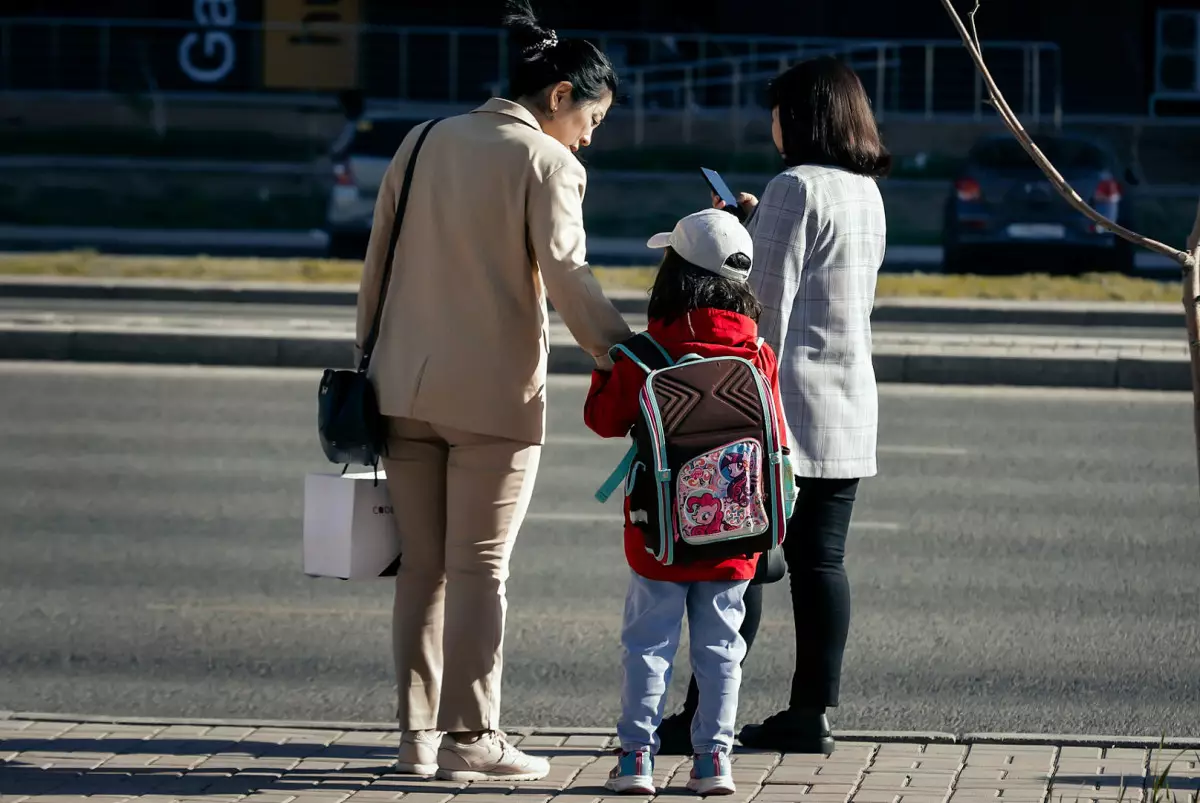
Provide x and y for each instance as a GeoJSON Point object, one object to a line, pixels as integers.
{"type": "Point", "coordinates": [682, 287]}
{"type": "Point", "coordinates": [540, 59]}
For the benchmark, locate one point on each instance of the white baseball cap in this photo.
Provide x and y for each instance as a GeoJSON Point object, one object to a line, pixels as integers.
{"type": "Point", "coordinates": [707, 239]}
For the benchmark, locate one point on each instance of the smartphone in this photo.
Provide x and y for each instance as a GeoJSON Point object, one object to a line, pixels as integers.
{"type": "Point", "coordinates": [721, 190]}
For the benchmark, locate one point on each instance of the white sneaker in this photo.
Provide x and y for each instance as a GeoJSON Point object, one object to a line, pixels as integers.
{"type": "Point", "coordinates": [490, 758]}
{"type": "Point", "coordinates": [633, 775]}
{"type": "Point", "coordinates": [418, 753]}
{"type": "Point", "coordinates": [711, 774]}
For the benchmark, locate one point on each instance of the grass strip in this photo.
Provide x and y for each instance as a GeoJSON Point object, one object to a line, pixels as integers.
{"type": "Point", "coordinates": [316, 271]}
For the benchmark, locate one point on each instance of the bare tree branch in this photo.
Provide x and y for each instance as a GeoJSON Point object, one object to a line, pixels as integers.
{"type": "Point", "coordinates": [1194, 238]}
{"type": "Point", "coordinates": [974, 30]}
{"type": "Point", "coordinates": [1189, 260]}
{"type": "Point", "coordinates": [1185, 259]}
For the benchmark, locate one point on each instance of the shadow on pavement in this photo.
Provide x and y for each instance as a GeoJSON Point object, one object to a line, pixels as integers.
{"type": "Point", "coordinates": [129, 768]}
{"type": "Point", "coordinates": [1065, 786]}
{"type": "Point", "coordinates": [198, 747]}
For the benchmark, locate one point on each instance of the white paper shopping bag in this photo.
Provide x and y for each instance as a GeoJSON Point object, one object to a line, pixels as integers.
{"type": "Point", "coordinates": [349, 528]}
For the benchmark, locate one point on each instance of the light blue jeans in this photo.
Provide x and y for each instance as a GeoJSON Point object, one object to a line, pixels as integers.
{"type": "Point", "coordinates": [649, 639]}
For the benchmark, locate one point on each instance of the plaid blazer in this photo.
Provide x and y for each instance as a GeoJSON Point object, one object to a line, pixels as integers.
{"type": "Point", "coordinates": [819, 238]}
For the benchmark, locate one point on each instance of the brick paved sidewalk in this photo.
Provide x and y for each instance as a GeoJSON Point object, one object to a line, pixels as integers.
{"type": "Point", "coordinates": [47, 761]}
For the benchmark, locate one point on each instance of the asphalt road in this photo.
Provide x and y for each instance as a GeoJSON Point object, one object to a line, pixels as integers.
{"type": "Point", "coordinates": [322, 317]}
{"type": "Point", "coordinates": [1026, 561]}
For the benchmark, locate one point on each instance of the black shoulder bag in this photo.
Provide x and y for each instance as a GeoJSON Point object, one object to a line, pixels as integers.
{"type": "Point", "coordinates": [348, 418]}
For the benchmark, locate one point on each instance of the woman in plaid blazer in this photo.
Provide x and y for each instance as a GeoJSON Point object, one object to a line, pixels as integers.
{"type": "Point", "coordinates": [819, 235]}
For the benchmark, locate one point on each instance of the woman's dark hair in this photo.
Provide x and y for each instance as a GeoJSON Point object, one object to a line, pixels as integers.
{"type": "Point", "coordinates": [826, 118]}
{"type": "Point", "coordinates": [540, 59]}
{"type": "Point", "coordinates": [682, 287]}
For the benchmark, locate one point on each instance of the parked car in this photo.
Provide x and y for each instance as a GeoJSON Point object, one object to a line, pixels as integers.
{"type": "Point", "coordinates": [1002, 211]}
{"type": "Point", "coordinates": [360, 157]}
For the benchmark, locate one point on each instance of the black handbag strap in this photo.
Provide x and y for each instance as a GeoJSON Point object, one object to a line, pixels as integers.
{"type": "Point", "coordinates": [373, 335]}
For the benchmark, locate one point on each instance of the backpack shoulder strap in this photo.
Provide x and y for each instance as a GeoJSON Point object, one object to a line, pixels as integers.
{"type": "Point", "coordinates": [644, 351]}
{"type": "Point", "coordinates": [617, 476]}
{"type": "Point", "coordinates": [650, 356]}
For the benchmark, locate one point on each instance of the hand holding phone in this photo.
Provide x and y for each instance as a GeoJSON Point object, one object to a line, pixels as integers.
{"type": "Point", "coordinates": [739, 206]}
{"type": "Point", "coordinates": [721, 190]}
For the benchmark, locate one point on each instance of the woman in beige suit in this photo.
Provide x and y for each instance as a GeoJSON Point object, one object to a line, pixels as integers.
{"type": "Point", "coordinates": [493, 226]}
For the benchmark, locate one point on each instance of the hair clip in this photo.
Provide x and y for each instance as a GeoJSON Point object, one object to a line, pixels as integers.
{"type": "Point", "coordinates": [547, 43]}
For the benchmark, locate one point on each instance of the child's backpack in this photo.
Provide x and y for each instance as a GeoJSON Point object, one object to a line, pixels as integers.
{"type": "Point", "coordinates": [708, 476]}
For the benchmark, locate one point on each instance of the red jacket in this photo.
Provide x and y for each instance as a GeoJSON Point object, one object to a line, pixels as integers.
{"type": "Point", "coordinates": [612, 409]}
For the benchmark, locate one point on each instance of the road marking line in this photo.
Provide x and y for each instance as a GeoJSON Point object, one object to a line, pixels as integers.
{"type": "Point", "coordinates": [275, 610]}
{"type": "Point", "coordinates": [885, 526]}
{"type": "Point", "coordinates": [515, 616]}
{"type": "Point", "coordinates": [577, 517]}
{"type": "Point", "coordinates": [585, 440]}
{"type": "Point", "coordinates": [933, 451]}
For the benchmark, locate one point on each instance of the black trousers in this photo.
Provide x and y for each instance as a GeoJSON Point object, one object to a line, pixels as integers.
{"type": "Point", "coordinates": [815, 549]}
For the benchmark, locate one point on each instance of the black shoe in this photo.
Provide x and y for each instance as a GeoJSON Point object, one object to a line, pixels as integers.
{"type": "Point", "coordinates": [675, 735]}
{"type": "Point", "coordinates": [790, 732]}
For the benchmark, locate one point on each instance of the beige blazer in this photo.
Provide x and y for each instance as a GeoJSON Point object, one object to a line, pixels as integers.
{"type": "Point", "coordinates": [494, 225]}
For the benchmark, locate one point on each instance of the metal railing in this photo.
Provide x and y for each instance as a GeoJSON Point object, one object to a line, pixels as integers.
{"type": "Point", "coordinates": [727, 84]}
{"type": "Point", "coordinates": [901, 77]}
{"type": "Point", "coordinates": [667, 71]}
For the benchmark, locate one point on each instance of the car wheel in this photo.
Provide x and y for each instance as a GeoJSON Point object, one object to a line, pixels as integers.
{"type": "Point", "coordinates": [1117, 259]}
{"type": "Point", "coordinates": [1123, 257]}
{"type": "Point", "coordinates": [954, 260]}
{"type": "Point", "coordinates": [347, 246]}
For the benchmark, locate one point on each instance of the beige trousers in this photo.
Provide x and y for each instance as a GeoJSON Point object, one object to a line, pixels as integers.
{"type": "Point", "coordinates": [459, 499]}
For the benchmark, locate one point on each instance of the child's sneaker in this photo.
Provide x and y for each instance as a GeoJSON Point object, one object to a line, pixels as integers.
{"type": "Point", "coordinates": [711, 774]}
{"type": "Point", "coordinates": [633, 775]}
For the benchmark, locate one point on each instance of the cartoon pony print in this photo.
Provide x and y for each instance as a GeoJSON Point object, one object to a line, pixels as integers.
{"type": "Point", "coordinates": [735, 469]}
{"type": "Point", "coordinates": [699, 476]}
{"type": "Point", "coordinates": [705, 510]}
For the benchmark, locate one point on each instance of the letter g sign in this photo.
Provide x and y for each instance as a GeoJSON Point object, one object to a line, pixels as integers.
{"type": "Point", "coordinates": [218, 54]}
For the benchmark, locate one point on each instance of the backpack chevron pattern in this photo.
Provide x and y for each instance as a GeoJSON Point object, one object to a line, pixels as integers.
{"type": "Point", "coordinates": [676, 400]}
{"type": "Point", "coordinates": [737, 390]}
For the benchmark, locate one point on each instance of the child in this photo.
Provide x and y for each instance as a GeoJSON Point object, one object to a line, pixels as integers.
{"type": "Point", "coordinates": [700, 305]}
